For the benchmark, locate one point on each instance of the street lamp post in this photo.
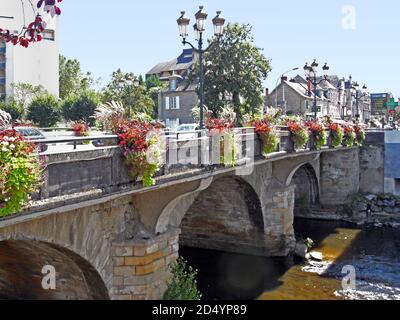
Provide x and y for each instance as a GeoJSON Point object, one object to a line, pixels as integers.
{"type": "Point", "coordinates": [358, 96]}
{"type": "Point", "coordinates": [199, 28]}
{"type": "Point", "coordinates": [311, 74]}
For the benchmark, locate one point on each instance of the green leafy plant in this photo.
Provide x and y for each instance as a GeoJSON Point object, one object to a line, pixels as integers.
{"type": "Point", "coordinates": [44, 111]}
{"type": "Point", "coordinates": [20, 172]}
{"type": "Point", "coordinates": [183, 285]}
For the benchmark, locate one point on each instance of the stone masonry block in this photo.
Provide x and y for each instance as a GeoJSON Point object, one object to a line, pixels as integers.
{"type": "Point", "coordinates": [124, 271]}
{"type": "Point", "coordinates": [150, 268]}
{"type": "Point", "coordinates": [142, 261]}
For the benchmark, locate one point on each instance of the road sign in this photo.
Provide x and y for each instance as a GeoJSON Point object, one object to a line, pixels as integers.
{"type": "Point", "coordinates": [318, 109]}
{"type": "Point", "coordinates": [392, 104]}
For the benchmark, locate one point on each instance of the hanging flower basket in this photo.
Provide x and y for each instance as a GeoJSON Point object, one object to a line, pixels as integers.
{"type": "Point", "coordinates": [318, 136]}
{"type": "Point", "coordinates": [267, 132]}
{"type": "Point", "coordinates": [20, 174]}
{"type": "Point", "coordinates": [142, 146]}
{"type": "Point", "coordinates": [336, 135]}
{"type": "Point", "coordinates": [223, 130]}
{"type": "Point", "coordinates": [299, 135]}
{"type": "Point", "coordinates": [350, 137]}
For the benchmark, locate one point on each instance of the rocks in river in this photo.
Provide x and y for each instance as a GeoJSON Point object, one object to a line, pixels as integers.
{"type": "Point", "coordinates": [371, 197]}
{"type": "Point", "coordinates": [300, 250]}
{"type": "Point", "coordinates": [314, 255]}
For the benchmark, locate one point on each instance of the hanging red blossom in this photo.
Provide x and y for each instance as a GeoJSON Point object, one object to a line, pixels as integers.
{"type": "Point", "coordinates": [32, 32]}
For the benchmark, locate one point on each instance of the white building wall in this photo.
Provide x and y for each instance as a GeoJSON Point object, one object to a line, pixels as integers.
{"type": "Point", "coordinates": [38, 64]}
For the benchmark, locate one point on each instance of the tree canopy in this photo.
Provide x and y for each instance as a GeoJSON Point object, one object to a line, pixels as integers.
{"type": "Point", "coordinates": [72, 79]}
{"type": "Point", "coordinates": [234, 70]}
{"type": "Point", "coordinates": [134, 97]}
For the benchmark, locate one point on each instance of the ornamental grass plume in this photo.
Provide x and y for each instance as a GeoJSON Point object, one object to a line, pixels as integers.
{"type": "Point", "coordinates": [111, 116]}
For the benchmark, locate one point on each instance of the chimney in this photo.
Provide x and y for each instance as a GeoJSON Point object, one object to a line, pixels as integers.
{"type": "Point", "coordinates": [267, 92]}
{"type": "Point", "coordinates": [284, 79]}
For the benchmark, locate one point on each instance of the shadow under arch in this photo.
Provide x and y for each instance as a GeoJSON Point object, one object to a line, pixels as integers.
{"type": "Point", "coordinates": [226, 216]}
{"type": "Point", "coordinates": [21, 264]}
{"type": "Point", "coordinates": [307, 190]}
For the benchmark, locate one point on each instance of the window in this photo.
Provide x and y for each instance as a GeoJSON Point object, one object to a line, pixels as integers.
{"type": "Point", "coordinates": [49, 35]}
{"type": "Point", "coordinates": [173, 84]}
{"type": "Point", "coordinates": [172, 103]}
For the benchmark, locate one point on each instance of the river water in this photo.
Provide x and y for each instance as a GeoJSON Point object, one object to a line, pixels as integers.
{"type": "Point", "coordinates": [373, 253]}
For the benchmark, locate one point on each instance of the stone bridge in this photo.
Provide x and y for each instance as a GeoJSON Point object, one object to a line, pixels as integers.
{"type": "Point", "coordinates": [109, 238]}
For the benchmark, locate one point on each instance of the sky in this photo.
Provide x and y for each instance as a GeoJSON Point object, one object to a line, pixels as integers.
{"type": "Point", "coordinates": [355, 37]}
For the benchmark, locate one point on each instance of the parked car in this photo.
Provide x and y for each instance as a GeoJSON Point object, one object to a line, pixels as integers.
{"type": "Point", "coordinates": [186, 132]}
{"type": "Point", "coordinates": [31, 133]}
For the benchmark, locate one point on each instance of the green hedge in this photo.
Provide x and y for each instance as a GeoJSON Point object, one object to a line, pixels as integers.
{"type": "Point", "coordinates": [44, 111]}
{"type": "Point", "coordinates": [81, 107]}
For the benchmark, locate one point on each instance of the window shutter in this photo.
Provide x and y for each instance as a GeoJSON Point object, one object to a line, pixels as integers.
{"type": "Point", "coordinates": [178, 106]}
{"type": "Point", "coordinates": [166, 103]}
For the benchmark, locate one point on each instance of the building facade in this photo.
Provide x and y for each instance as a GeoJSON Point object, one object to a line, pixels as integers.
{"type": "Point", "coordinates": [177, 100]}
{"type": "Point", "coordinates": [335, 98]}
{"type": "Point", "coordinates": [292, 96]}
{"type": "Point", "coordinates": [36, 65]}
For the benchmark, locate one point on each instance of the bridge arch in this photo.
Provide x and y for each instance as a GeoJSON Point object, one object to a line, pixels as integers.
{"type": "Point", "coordinates": [21, 265]}
{"type": "Point", "coordinates": [307, 189]}
{"type": "Point", "coordinates": [226, 216]}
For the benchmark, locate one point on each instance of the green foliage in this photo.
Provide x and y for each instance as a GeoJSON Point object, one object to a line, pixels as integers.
{"type": "Point", "coordinates": [24, 93]}
{"type": "Point", "coordinates": [270, 142]}
{"type": "Point", "coordinates": [183, 285]}
{"type": "Point", "coordinates": [234, 71]}
{"type": "Point", "coordinates": [136, 99]}
{"type": "Point", "coordinates": [349, 139]}
{"type": "Point", "coordinates": [44, 111]}
{"type": "Point", "coordinates": [360, 138]}
{"type": "Point", "coordinates": [72, 79]}
{"type": "Point", "coordinates": [337, 138]}
{"type": "Point", "coordinates": [81, 107]}
{"type": "Point", "coordinates": [12, 107]}
{"type": "Point", "coordinates": [320, 139]}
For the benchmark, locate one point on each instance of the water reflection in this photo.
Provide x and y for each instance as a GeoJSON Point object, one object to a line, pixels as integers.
{"type": "Point", "coordinates": [375, 254]}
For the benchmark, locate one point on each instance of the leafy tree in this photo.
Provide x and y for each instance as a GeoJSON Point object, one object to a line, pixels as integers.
{"type": "Point", "coordinates": [24, 93]}
{"type": "Point", "coordinates": [122, 89]}
{"type": "Point", "coordinates": [234, 70]}
{"type": "Point", "coordinates": [81, 107]}
{"type": "Point", "coordinates": [72, 79]}
{"type": "Point", "coordinates": [183, 285]}
{"type": "Point", "coordinates": [14, 108]}
{"type": "Point", "coordinates": [44, 111]}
